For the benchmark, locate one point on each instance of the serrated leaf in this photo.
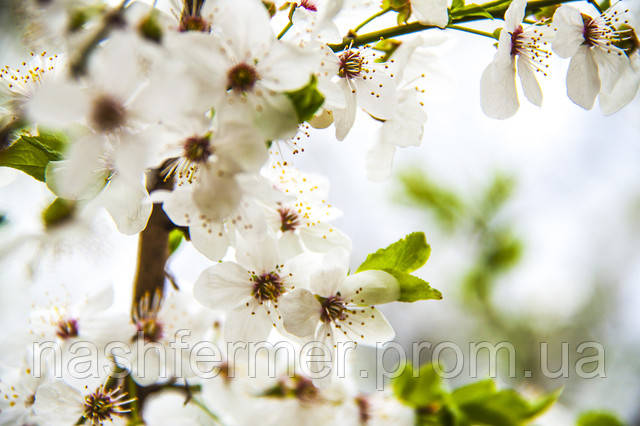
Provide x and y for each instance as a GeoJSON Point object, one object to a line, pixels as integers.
{"type": "Point", "coordinates": [598, 418]}
{"type": "Point", "coordinates": [405, 255]}
{"type": "Point", "coordinates": [31, 154]}
{"type": "Point", "coordinates": [307, 100]}
{"type": "Point", "coordinates": [420, 391]}
{"type": "Point", "coordinates": [413, 288]}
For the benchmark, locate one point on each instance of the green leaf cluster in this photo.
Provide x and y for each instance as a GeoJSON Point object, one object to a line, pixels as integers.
{"type": "Point", "coordinates": [32, 154]}
{"type": "Point", "coordinates": [479, 403]}
{"type": "Point", "coordinates": [388, 46]}
{"type": "Point", "coordinates": [307, 100]}
{"type": "Point", "coordinates": [58, 212]}
{"type": "Point", "coordinates": [403, 7]}
{"type": "Point", "coordinates": [400, 259]}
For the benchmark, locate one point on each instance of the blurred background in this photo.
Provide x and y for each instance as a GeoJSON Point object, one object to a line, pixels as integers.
{"type": "Point", "coordinates": [533, 222]}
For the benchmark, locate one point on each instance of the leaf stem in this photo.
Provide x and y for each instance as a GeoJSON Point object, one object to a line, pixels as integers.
{"type": "Point", "coordinates": [596, 5]}
{"type": "Point", "coordinates": [352, 40]}
{"type": "Point", "coordinates": [204, 408]}
{"type": "Point", "coordinates": [371, 18]}
{"type": "Point", "coordinates": [471, 30]}
{"type": "Point", "coordinates": [292, 9]}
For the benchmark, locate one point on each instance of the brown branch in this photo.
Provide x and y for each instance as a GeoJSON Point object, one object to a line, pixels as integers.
{"type": "Point", "coordinates": [153, 246]}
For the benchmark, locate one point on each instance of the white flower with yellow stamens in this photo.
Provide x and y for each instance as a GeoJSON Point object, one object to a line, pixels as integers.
{"type": "Point", "coordinates": [526, 46]}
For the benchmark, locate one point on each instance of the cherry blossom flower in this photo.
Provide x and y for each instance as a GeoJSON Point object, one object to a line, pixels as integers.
{"type": "Point", "coordinates": [596, 62]}
{"type": "Point", "coordinates": [339, 307]}
{"type": "Point", "coordinates": [250, 290]}
{"type": "Point", "coordinates": [525, 46]}
{"type": "Point", "coordinates": [244, 65]}
{"type": "Point", "coordinates": [303, 222]}
{"type": "Point", "coordinates": [62, 404]}
{"type": "Point", "coordinates": [353, 78]}
{"type": "Point", "coordinates": [18, 387]}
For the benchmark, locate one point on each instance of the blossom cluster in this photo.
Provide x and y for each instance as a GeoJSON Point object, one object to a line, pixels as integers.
{"type": "Point", "coordinates": [175, 122]}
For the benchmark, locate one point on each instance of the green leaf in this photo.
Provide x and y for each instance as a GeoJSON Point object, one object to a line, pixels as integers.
{"type": "Point", "coordinates": [405, 255]}
{"type": "Point", "coordinates": [58, 212]}
{"type": "Point", "coordinates": [31, 154]}
{"type": "Point", "coordinates": [307, 100]}
{"type": "Point", "coordinates": [176, 237]}
{"type": "Point", "coordinates": [421, 391]}
{"type": "Point", "coordinates": [472, 9]}
{"type": "Point", "coordinates": [388, 46]}
{"type": "Point", "coordinates": [605, 4]}
{"type": "Point", "coordinates": [598, 418]}
{"type": "Point", "coordinates": [503, 408]}
{"type": "Point", "coordinates": [457, 4]}
{"type": "Point", "coordinates": [413, 288]}
{"type": "Point", "coordinates": [473, 391]}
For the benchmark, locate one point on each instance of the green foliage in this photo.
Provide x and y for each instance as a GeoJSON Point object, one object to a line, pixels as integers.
{"type": "Point", "coordinates": [457, 4]}
{"type": "Point", "coordinates": [401, 258]}
{"type": "Point", "coordinates": [444, 204]}
{"type": "Point", "coordinates": [471, 10]}
{"type": "Point", "coordinates": [307, 100]}
{"type": "Point", "coordinates": [598, 418]}
{"type": "Point", "coordinates": [31, 154]}
{"type": "Point", "coordinates": [176, 237]}
{"type": "Point", "coordinates": [150, 29]}
{"type": "Point", "coordinates": [479, 403]}
{"type": "Point", "coordinates": [58, 212]}
{"type": "Point", "coordinates": [403, 7]}
{"type": "Point", "coordinates": [388, 46]}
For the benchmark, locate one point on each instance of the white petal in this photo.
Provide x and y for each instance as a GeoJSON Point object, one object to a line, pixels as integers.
{"type": "Point", "coordinates": [128, 204]}
{"type": "Point", "coordinates": [300, 312]}
{"type": "Point", "coordinates": [275, 117]}
{"type": "Point", "coordinates": [216, 196]}
{"type": "Point", "coordinates": [498, 95]}
{"type": "Point", "coordinates": [377, 94]}
{"type": "Point", "coordinates": [286, 67]}
{"type": "Point", "coordinates": [82, 175]}
{"type": "Point", "coordinates": [345, 117]}
{"type": "Point", "coordinates": [431, 12]}
{"type": "Point", "coordinates": [570, 34]}
{"type": "Point", "coordinates": [380, 161]}
{"type": "Point", "coordinates": [59, 403]}
{"type": "Point", "coordinates": [623, 92]}
{"type": "Point", "coordinates": [179, 206]}
{"type": "Point", "coordinates": [583, 81]}
{"type": "Point", "coordinates": [57, 104]}
{"type": "Point", "coordinates": [247, 324]}
{"type": "Point", "coordinates": [241, 144]}
{"type": "Point", "coordinates": [328, 281]}
{"type": "Point", "coordinates": [223, 286]}
{"type": "Point", "coordinates": [210, 239]}
{"type": "Point", "coordinates": [323, 237]}
{"type": "Point", "coordinates": [529, 83]}
{"type": "Point", "coordinates": [368, 326]}
{"type": "Point", "coordinates": [406, 128]}
{"type": "Point", "coordinates": [373, 287]}
{"type": "Point", "coordinates": [247, 28]}
{"type": "Point", "coordinates": [514, 15]}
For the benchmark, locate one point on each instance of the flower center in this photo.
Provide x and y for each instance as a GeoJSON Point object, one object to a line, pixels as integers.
{"type": "Point", "coordinates": [267, 287]}
{"type": "Point", "coordinates": [310, 5]}
{"type": "Point", "coordinates": [198, 149]}
{"type": "Point", "coordinates": [333, 308]}
{"type": "Point", "coordinates": [107, 114]}
{"type": "Point", "coordinates": [150, 328]}
{"type": "Point", "coordinates": [242, 77]}
{"type": "Point", "coordinates": [102, 404]}
{"type": "Point", "coordinates": [609, 32]}
{"type": "Point", "coordinates": [350, 64]}
{"type": "Point", "coordinates": [364, 408]}
{"type": "Point", "coordinates": [304, 389]}
{"type": "Point", "coordinates": [67, 328]}
{"type": "Point", "coordinates": [194, 23]}
{"type": "Point", "coordinates": [530, 46]}
{"type": "Point", "coordinates": [288, 219]}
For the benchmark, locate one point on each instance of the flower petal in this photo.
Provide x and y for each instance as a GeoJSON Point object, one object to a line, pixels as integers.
{"type": "Point", "coordinates": [372, 287]}
{"type": "Point", "coordinates": [514, 15]}
{"type": "Point", "coordinates": [223, 286]}
{"type": "Point", "coordinates": [210, 239]}
{"type": "Point", "coordinates": [431, 12]}
{"type": "Point", "coordinates": [583, 81]}
{"type": "Point", "coordinates": [380, 161]}
{"type": "Point", "coordinates": [128, 204]}
{"type": "Point", "coordinates": [247, 324]}
{"type": "Point", "coordinates": [498, 95]}
{"type": "Point", "coordinates": [529, 83]}
{"type": "Point", "coordinates": [300, 312]}
{"type": "Point", "coordinates": [570, 34]}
